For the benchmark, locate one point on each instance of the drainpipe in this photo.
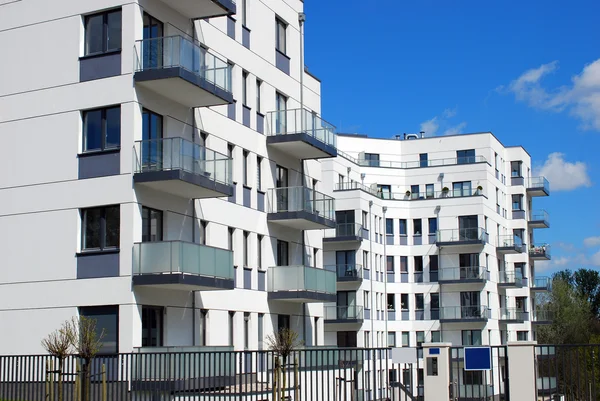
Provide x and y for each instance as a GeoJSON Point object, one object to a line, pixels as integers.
{"type": "Point", "coordinates": [371, 275]}
{"type": "Point", "coordinates": [385, 277]}
{"type": "Point", "coordinates": [301, 19]}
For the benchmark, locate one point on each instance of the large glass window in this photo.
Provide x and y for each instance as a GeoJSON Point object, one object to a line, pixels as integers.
{"type": "Point", "coordinates": [107, 320]}
{"type": "Point", "coordinates": [281, 39]}
{"type": "Point", "coordinates": [419, 302]}
{"type": "Point", "coordinates": [152, 326]}
{"type": "Point", "coordinates": [432, 225]}
{"type": "Point", "coordinates": [461, 188]}
{"type": "Point", "coordinates": [389, 226]}
{"type": "Point", "coordinates": [102, 129]}
{"type": "Point", "coordinates": [390, 264]}
{"type": "Point", "coordinates": [372, 159]}
{"type": "Point", "coordinates": [405, 339]}
{"type": "Point", "coordinates": [152, 225]}
{"type": "Point", "coordinates": [471, 337]}
{"type": "Point", "coordinates": [391, 339]}
{"type": "Point", "coordinates": [103, 32]}
{"type": "Point", "coordinates": [100, 228]}
{"type": "Point", "coordinates": [465, 156]}
{"type": "Point", "coordinates": [517, 202]}
{"type": "Point", "coordinates": [403, 227]}
{"type": "Point", "coordinates": [418, 230]}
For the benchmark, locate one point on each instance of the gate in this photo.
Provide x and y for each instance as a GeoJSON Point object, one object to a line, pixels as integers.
{"type": "Point", "coordinates": [406, 378]}
{"type": "Point", "coordinates": [484, 385]}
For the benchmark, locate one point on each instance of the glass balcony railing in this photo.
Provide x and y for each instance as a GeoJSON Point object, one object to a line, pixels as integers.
{"type": "Point", "coordinates": [544, 283]}
{"type": "Point", "coordinates": [180, 154]}
{"type": "Point", "coordinates": [301, 199]}
{"type": "Point", "coordinates": [344, 230]}
{"type": "Point", "coordinates": [543, 316]}
{"type": "Point", "coordinates": [182, 257]}
{"type": "Point", "coordinates": [347, 186]}
{"type": "Point", "coordinates": [511, 314]}
{"type": "Point", "coordinates": [344, 312]}
{"type": "Point", "coordinates": [421, 163]}
{"type": "Point", "coordinates": [412, 196]}
{"type": "Point", "coordinates": [514, 277]}
{"type": "Point", "coordinates": [509, 241]}
{"type": "Point", "coordinates": [538, 183]}
{"type": "Point", "coordinates": [180, 52]}
{"type": "Point", "coordinates": [301, 121]}
{"type": "Point", "coordinates": [541, 251]}
{"type": "Point", "coordinates": [474, 312]}
{"type": "Point", "coordinates": [301, 278]}
{"type": "Point", "coordinates": [539, 215]}
{"type": "Point", "coordinates": [349, 271]}
{"type": "Point", "coordinates": [463, 273]}
{"type": "Point", "coordinates": [462, 235]}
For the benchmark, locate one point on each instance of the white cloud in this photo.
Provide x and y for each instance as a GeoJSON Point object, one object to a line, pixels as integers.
{"type": "Point", "coordinates": [595, 259]}
{"type": "Point", "coordinates": [591, 242]}
{"type": "Point", "coordinates": [563, 175]}
{"type": "Point", "coordinates": [449, 113]}
{"type": "Point", "coordinates": [581, 97]}
{"type": "Point", "coordinates": [430, 127]}
{"type": "Point", "coordinates": [455, 130]}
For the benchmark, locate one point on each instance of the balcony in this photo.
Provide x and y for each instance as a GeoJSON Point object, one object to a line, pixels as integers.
{"type": "Point", "coordinates": [538, 186]}
{"type": "Point", "coordinates": [510, 279]}
{"type": "Point", "coordinates": [512, 315]}
{"type": "Point", "coordinates": [344, 314]}
{"type": "Point", "coordinates": [347, 273]}
{"type": "Point", "coordinates": [542, 317]}
{"type": "Point", "coordinates": [196, 9]}
{"type": "Point", "coordinates": [538, 219]}
{"type": "Point", "coordinates": [453, 161]}
{"type": "Point", "coordinates": [351, 186]}
{"type": "Point", "coordinates": [461, 237]}
{"type": "Point", "coordinates": [344, 232]}
{"type": "Point", "coordinates": [539, 252]}
{"type": "Point", "coordinates": [301, 208]}
{"type": "Point", "coordinates": [301, 134]}
{"type": "Point", "coordinates": [182, 266]}
{"type": "Point", "coordinates": [510, 244]}
{"type": "Point", "coordinates": [460, 314]}
{"type": "Point", "coordinates": [415, 196]}
{"type": "Point", "coordinates": [541, 284]}
{"type": "Point", "coordinates": [181, 70]}
{"type": "Point", "coordinates": [301, 284]}
{"type": "Point", "coordinates": [463, 275]}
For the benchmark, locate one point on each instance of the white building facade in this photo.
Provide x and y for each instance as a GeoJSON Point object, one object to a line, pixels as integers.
{"type": "Point", "coordinates": [434, 242]}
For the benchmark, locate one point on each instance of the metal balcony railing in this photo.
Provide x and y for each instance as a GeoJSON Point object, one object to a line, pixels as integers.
{"type": "Point", "coordinates": [421, 163]}
{"type": "Point", "coordinates": [511, 314]}
{"type": "Point", "coordinates": [513, 277]}
{"type": "Point", "coordinates": [463, 273]}
{"type": "Point", "coordinates": [348, 271]}
{"type": "Point", "coordinates": [538, 182]}
{"type": "Point", "coordinates": [474, 312]}
{"type": "Point", "coordinates": [301, 121]}
{"type": "Point", "coordinates": [539, 250]}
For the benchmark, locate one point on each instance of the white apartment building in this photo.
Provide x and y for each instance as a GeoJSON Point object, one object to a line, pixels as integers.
{"type": "Point", "coordinates": [166, 151]}
{"type": "Point", "coordinates": [434, 241]}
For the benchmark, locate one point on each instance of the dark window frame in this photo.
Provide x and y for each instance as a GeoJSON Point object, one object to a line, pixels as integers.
{"type": "Point", "coordinates": [101, 231]}
{"type": "Point", "coordinates": [103, 310]}
{"type": "Point", "coordinates": [149, 222]}
{"type": "Point", "coordinates": [103, 146]}
{"type": "Point", "coordinates": [280, 25]}
{"type": "Point", "coordinates": [105, 49]}
{"type": "Point", "coordinates": [161, 323]}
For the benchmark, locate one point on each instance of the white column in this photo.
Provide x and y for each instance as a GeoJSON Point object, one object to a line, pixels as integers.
{"type": "Point", "coordinates": [522, 375]}
{"type": "Point", "coordinates": [437, 387]}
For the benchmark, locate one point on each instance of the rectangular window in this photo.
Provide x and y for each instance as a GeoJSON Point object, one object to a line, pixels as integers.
{"type": "Point", "coordinates": [103, 32]}
{"type": "Point", "coordinates": [246, 243]}
{"type": "Point", "coordinates": [261, 317]}
{"type": "Point", "coordinates": [372, 159]}
{"type": "Point", "coordinates": [203, 227]}
{"type": "Point", "coordinates": [231, 232]}
{"type": "Point", "coordinates": [365, 220]}
{"type": "Point", "coordinates": [436, 336]}
{"type": "Point", "coordinates": [258, 173]}
{"type": "Point", "coordinates": [367, 300]}
{"type": "Point", "coordinates": [100, 228]}
{"type": "Point", "coordinates": [245, 88]}
{"type": "Point", "coordinates": [515, 168]}
{"type": "Point", "coordinates": [414, 190]}
{"type": "Point", "coordinates": [391, 342]}
{"type": "Point", "coordinates": [231, 324]}
{"type": "Point", "coordinates": [433, 225]}
{"type": "Point", "coordinates": [390, 264]}
{"type": "Point", "coordinates": [152, 224]}
{"type": "Point", "coordinates": [429, 192]}
{"type": "Point", "coordinates": [417, 227]}
{"type": "Point", "coordinates": [404, 302]}
{"type": "Point", "coordinates": [420, 338]}
{"type": "Point", "coordinates": [391, 302]}
{"type": "Point", "coordinates": [404, 264]}
{"type": "Point", "coordinates": [107, 320]}
{"type": "Point", "coordinates": [434, 299]}
{"type": "Point", "coordinates": [419, 302]}
{"type": "Point", "coordinates": [244, 10]}
{"type": "Point", "coordinates": [471, 337]}
{"type": "Point", "coordinates": [389, 226]}
{"type": "Point", "coordinates": [522, 335]}
{"type": "Point", "coordinates": [246, 330]}
{"type": "Point", "coordinates": [465, 156]}
{"type": "Point", "coordinates": [203, 327]}
{"type": "Point", "coordinates": [283, 322]}
{"type": "Point", "coordinates": [517, 202]}
{"type": "Point", "coordinates": [405, 339]}
{"type": "Point", "coordinates": [403, 230]}
{"type": "Point", "coordinates": [418, 264]}
{"type": "Point", "coordinates": [346, 339]}
{"type": "Point", "coordinates": [366, 260]}
{"type": "Point", "coordinates": [245, 167]}
{"type": "Point", "coordinates": [433, 263]}
{"type": "Point", "coordinates": [423, 160]}
{"type": "Point", "coordinates": [152, 326]}
{"type": "Point", "coordinates": [258, 94]}
{"type": "Point", "coordinates": [461, 188]}
{"type": "Point", "coordinates": [280, 35]}
{"type": "Point", "coordinates": [259, 239]}
{"type": "Point", "coordinates": [102, 129]}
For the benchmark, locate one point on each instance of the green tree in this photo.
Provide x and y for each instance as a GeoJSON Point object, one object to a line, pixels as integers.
{"type": "Point", "coordinates": [587, 283]}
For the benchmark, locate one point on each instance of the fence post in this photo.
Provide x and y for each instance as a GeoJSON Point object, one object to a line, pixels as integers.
{"type": "Point", "coordinates": [436, 379]}
{"type": "Point", "coordinates": [522, 374]}
{"type": "Point", "coordinates": [104, 382]}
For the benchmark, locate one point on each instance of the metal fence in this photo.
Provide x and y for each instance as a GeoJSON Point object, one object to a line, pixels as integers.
{"type": "Point", "coordinates": [479, 385]}
{"type": "Point", "coordinates": [308, 374]}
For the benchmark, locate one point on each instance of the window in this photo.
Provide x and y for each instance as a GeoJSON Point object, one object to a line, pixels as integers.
{"type": "Point", "coordinates": [202, 233]}
{"type": "Point", "coordinates": [366, 260]}
{"type": "Point", "coordinates": [419, 302]}
{"type": "Point", "coordinates": [465, 156]}
{"type": "Point", "coordinates": [102, 129]}
{"type": "Point", "coordinates": [244, 13]}
{"type": "Point", "coordinates": [346, 339]}
{"type": "Point", "coordinates": [418, 264]}
{"type": "Point", "coordinates": [103, 32]}
{"type": "Point", "coordinates": [436, 336]}
{"type": "Point", "coordinates": [372, 159]}
{"type": "Point", "coordinates": [414, 190]}
{"type": "Point", "coordinates": [433, 263]}
{"type": "Point", "coordinates": [515, 168]}
{"type": "Point", "coordinates": [282, 253]}
{"type": "Point", "coordinates": [246, 330]}
{"type": "Point", "coordinates": [517, 202]}
{"type": "Point", "coordinates": [405, 339]}
{"type": "Point", "coordinates": [280, 39]}
{"type": "Point", "coordinates": [471, 337]}
{"type": "Point", "coordinates": [390, 264]}
{"type": "Point", "coordinates": [404, 302]}
{"type": "Point", "coordinates": [461, 188]}
{"type": "Point", "coordinates": [230, 148]}
{"type": "Point", "coordinates": [403, 230]}
{"type": "Point", "coordinates": [203, 327]}
{"type": "Point", "coordinates": [246, 241]}
{"type": "Point", "coordinates": [245, 167]}
{"type": "Point", "coordinates": [391, 302]}
{"type": "Point", "coordinates": [258, 94]}
{"type": "Point", "coordinates": [283, 322]}
{"type": "Point", "coordinates": [420, 338]}
{"type": "Point", "coordinates": [245, 88]}
{"type": "Point", "coordinates": [258, 173]}
{"type": "Point", "coordinates": [403, 264]}
{"type": "Point", "coordinates": [100, 228]}
{"type": "Point", "coordinates": [391, 341]}
{"type": "Point", "coordinates": [231, 324]}
{"type": "Point", "coordinates": [429, 192]}
{"type": "Point", "coordinates": [432, 225]}
{"type": "Point", "coordinates": [522, 335]}
{"type": "Point", "coordinates": [316, 326]}
{"type": "Point", "coordinates": [389, 226]}
{"type": "Point", "coordinates": [367, 302]}
{"type": "Point", "coordinates": [365, 220]}
{"type": "Point", "coordinates": [417, 229]}
{"type": "Point", "coordinates": [434, 299]}
{"type": "Point", "coordinates": [259, 239]}
{"type": "Point", "coordinates": [423, 160]}
{"type": "Point", "coordinates": [231, 232]}
{"type": "Point", "coordinates": [152, 326]}
{"type": "Point", "coordinates": [261, 317]}
{"type": "Point", "coordinates": [107, 320]}
{"type": "Point", "coordinates": [152, 224]}
{"type": "Point", "coordinates": [315, 256]}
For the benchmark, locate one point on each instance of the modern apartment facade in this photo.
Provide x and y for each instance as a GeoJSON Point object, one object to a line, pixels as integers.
{"type": "Point", "coordinates": [434, 241]}
{"type": "Point", "coordinates": [167, 154]}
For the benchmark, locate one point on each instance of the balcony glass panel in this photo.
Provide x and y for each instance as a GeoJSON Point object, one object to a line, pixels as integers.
{"type": "Point", "coordinates": [462, 234]}
{"type": "Point", "coordinates": [301, 121]}
{"type": "Point", "coordinates": [353, 312]}
{"type": "Point", "coordinates": [301, 199]}
{"type": "Point", "coordinates": [462, 273]}
{"type": "Point", "coordinates": [301, 278]}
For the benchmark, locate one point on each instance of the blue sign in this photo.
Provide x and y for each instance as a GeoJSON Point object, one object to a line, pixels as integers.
{"type": "Point", "coordinates": [478, 358]}
{"type": "Point", "coordinates": [434, 351]}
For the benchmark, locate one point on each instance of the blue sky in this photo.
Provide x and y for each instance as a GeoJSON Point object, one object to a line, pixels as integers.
{"type": "Point", "coordinates": [528, 71]}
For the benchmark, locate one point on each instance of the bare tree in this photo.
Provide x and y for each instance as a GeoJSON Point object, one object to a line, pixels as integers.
{"type": "Point", "coordinates": [58, 344]}
{"type": "Point", "coordinates": [87, 342]}
{"type": "Point", "coordinates": [283, 343]}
